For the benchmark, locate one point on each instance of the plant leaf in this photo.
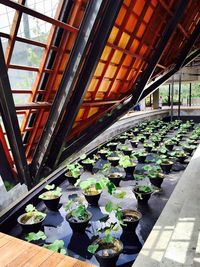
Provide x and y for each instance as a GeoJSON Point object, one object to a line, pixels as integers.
{"type": "Point", "coordinates": [92, 248]}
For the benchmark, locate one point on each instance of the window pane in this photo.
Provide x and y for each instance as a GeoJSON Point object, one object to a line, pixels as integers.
{"type": "Point", "coordinates": [6, 15]}
{"type": "Point", "coordinates": [20, 79]}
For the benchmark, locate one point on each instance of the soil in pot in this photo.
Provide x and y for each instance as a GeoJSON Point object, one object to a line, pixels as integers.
{"type": "Point", "coordinates": [115, 178]}
{"type": "Point", "coordinates": [142, 197]}
{"type": "Point", "coordinates": [78, 225]}
{"type": "Point", "coordinates": [92, 196]}
{"type": "Point", "coordinates": [157, 181]}
{"type": "Point", "coordinates": [30, 224]}
{"type": "Point", "coordinates": [72, 180]}
{"type": "Point", "coordinates": [51, 201]}
{"type": "Point", "coordinates": [130, 219]}
{"type": "Point", "coordinates": [108, 253]}
{"type": "Point", "coordinates": [114, 161]}
{"type": "Point", "coordinates": [166, 166]}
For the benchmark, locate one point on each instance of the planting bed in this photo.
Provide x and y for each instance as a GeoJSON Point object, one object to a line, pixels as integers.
{"type": "Point", "coordinates": [56, 227]}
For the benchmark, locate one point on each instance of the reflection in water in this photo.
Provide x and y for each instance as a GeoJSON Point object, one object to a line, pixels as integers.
{"type": "Point", "coordinates": [78, 244]}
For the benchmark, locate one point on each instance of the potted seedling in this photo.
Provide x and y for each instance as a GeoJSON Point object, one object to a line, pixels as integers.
{"type": "Point", "coordinates": [192, 142]}
{"type": "Point", "coordinates": [141, 155]}
{"type": "Point", "coordinates": [154, 174]}
{"type": "Point", "coordinates": [51, 197]}
{"type": "Point", "coordinates": [128, 164]}
{"type": "Point", "coordinates": [156, 140]}
{"type": "Point", "coordinates": [73, 173]}
{"type": "Point", "coordinates": [143, 193]}
{"type": "Point", "coordinates": [136, 131]}
{"type": "Point", "coordinates": [114, 160]}
{"type": "Point", "coordinates": [126, 150]}
{"type": "Point", "coordinates": [130, 219]}
{"type": "Point", "coordinates": [77, 216]}
{"type": "Point", "coordinates": [162, 150]}
{"type": "Point", "coordinates": [165, 164]}
{"type": "Point", "coordinates": [31, 221]}
{"type": "Point", "coordinates": [92, 189]}
{"type": "Point", "coordinates": [134, 142]}
{"type": "Point", "coordinates": [148, 147]}
{"type": "Point", "coordinates": [87, 163]}
{"type": "Point", "coordinates": [115, 178]}
{"type": "Point", "coordinates": [141, 138]}
{"type": "Point", "coordinates": [189, 148]}
{"type": "Point", "coordinates": [107, 247]}
{"type": "Point", "coordinates": [112, 146]}
{"type": "Point", "coordinates": [180, 155]}
{"type": "Point", "coordinates": [103, 153]}
{"type": "Point", "coordinates": [169, 144]}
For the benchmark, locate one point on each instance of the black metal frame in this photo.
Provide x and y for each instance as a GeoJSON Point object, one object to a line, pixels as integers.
{"type": "Point", "coordinates": [9, 117]}
{"type": "Point", "coordinates": [182, 61]}
{"type": "Point", "coordinates": [105, 122]}
{"type": "Point", "coordinates": [96, 48]}
{"type": "Point", "coordinates": [70, 76]}
{"type": "Point", "coordinates": [190, 94]}
{"type": "Point", "coordinates": [179, 96]}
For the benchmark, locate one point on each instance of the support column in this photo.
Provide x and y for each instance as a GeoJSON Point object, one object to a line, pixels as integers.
{"type": "Point", "coordinates": [156, 99]}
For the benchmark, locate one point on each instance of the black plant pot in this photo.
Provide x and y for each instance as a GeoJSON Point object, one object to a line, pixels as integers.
{"type": "Point", "coordinates": [146, 134]}
{"type": "Point", "coordinates": [148, 148]}
{"type": "Point", "coordinates": [122, 140]}
{"type": "Point", "coordinates": [92, 199]}
{"type": "Point", "coordinates": [181, 159]}
{"type": "Point", "coordinates": [136, 133]}
{"type": "Point", "coordinates": [114, 161]}
{"type": "Point", "coordinates": [142, 140]}
{"type": "Point", "coordinates": [127, 152]}
{"type": "Point", "coordinates": [27, 228]}
{"type": "Point", "coordinates": [108, 261]}
{"type": "Point", "coordinates": [157, 181]}
{"type": "Point", "coordinates": [78, 226]}
{"type": "Point", "coordinates": [71, 179]}
{"type": "Point", "coordinates": [133, 218]}
{"type": "Point", "coordinates": [103, 155]}
{"type": "Point", "coordinates": [188, 150]}
{"type": "Point", "coordinates": [52, 204]}
{"type": "Point", "coordinates": [134, 143]}
{"type": "Point", "coordinates": [113, 146]}
{"type": "Point", "coordinates": [115, 178]}
{"type": "Point", "coordinates": [142, 198]}
{"type": "Point", "coordinates": [169, 147]}
{"type": "Point", "coordinates": [166, 168]}
{"type": "Point", "coordinates": [87, 166]}
{"type": "Point", "coordinates": [130, 170]}
{"type": "Point", "coordinates": [141, 159]}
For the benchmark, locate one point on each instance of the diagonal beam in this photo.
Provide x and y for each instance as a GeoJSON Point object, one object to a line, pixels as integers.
{"type": "Point", "coordinates": [94, 130]}
{"type": "Point", "coordinates": [8, 112]}
{"type": "Point", "coordinates": [76, 62]}
{"type": "Point", "coordinates": [95, 51]}
{"type": "Point", "coordinates": [182, 61]}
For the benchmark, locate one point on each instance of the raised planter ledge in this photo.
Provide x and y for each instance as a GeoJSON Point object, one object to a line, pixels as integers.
{"type": "Point", "coordinates": [175, 238]}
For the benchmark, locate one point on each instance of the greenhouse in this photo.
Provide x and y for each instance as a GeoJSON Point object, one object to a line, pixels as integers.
{"type": "Point", "coordinates": [100, 133]}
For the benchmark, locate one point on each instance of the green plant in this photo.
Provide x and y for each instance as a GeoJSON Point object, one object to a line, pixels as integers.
{"type": "Point", "coordinates": [144, 189]}
{"type": "Point", "coordinates": [92, 184]}
{"type": "Point", "coordinates": [35, 236]}
{"type": "Point", "coordinates": [178, 154]}
{"type": "Point", "coordinates": [126, 161]}
{"type": "Point", "coordinates": [74, 169]}
{"type": "Point", "coordinates": [56, 246]}
{"type": "Point", "coordinates": [52, 192]}
{"type": "Point", "coordinates": [152, 171]}
{"type": "Point", "coordinates": [78, 211]}
{"type": "Point", "coordinates": [33, 215]}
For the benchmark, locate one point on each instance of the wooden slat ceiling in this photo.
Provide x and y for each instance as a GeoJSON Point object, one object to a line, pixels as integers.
{"type": "Point", "coordinates": [135, 34]}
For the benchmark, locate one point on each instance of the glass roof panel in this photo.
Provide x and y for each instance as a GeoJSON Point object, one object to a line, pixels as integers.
{"type": "Point", "coordinates": [6, 15]}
